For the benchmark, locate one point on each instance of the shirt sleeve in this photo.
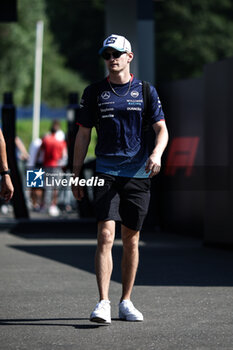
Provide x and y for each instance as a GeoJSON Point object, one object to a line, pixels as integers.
{"type": "Point", "coordinates": [86, 114]}
{"type": "Point", "coordinates": [156, 107]}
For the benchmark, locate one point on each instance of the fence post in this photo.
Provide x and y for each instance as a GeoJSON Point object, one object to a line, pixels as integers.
{"type": "Point", "coordinates": [8, 128]}
{"type": "Point", "coordinates": [72, 127]}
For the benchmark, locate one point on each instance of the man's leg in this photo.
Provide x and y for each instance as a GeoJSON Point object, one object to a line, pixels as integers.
{"type": "Point", "coordinates": [103, 257]}
{"type": "Point", "coordinates": [130, 258]}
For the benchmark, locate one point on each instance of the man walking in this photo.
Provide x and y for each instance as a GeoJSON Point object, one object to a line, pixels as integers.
{"type": "Point", "coordinates": [115, 106]}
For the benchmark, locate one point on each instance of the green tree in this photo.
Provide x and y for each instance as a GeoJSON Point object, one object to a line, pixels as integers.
{"type": "Point", "coordinates": [190, 34]}
{"type": "Point", "coordinates": [17, 54]}
{"type": "Point", "coordinates": [78, 26]}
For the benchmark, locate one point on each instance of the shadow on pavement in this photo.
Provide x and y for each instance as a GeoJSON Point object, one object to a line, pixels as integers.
{"type": "Point", "coordinates": [160, 264]}
{"type": "Point", "coordinates": [52, 322]}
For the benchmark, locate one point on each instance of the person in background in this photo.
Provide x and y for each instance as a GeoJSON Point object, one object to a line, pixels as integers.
{"type": "Point", "coordinates": [59, 134]}
{"type": "Point", "coordinates": [21, 151]}
{"type": "Point", "coordinates": [54, 150]}
{"type": "Point", "coordinates": [34, 162]}
{"type": "Point", "coordinates": [22, 157]}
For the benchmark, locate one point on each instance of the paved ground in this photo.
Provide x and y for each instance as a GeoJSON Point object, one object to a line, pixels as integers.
{"type": "Point", "coordinates": [48, 290]}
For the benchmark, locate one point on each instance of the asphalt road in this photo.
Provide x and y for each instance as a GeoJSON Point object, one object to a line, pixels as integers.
{"type": "Point", "coordinates": [48, 289]}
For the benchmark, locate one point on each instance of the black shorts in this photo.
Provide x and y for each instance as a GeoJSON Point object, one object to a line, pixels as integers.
{"type": "Point", "coordinates": [122, 199]}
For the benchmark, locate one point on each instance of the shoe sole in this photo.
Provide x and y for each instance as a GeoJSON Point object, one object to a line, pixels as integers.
{"type": "Point", "coordinates": [125, 319]}
{"type": "Point", "coordinates": [99, 320]}
{"type": "Point", "coordinates": [121, 317]}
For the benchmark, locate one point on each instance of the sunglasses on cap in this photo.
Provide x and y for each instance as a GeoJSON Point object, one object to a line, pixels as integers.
{"type": "Point", "coordinates": [115, 54]}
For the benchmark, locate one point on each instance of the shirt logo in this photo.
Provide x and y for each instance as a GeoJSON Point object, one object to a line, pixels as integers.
{"type": "Point", "coordinates": [105, 95]}
{"type": "Point", "coordinates": [35, 178]}
{"type": "Point", "coordinates": [134, 94]}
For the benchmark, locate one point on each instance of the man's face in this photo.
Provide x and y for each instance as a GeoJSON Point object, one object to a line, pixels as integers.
{"type": "Point", "coordinates": [115, 63]}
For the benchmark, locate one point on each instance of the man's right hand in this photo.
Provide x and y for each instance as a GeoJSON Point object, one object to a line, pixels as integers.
{"type": "Point", "coordinates": [78, 192]}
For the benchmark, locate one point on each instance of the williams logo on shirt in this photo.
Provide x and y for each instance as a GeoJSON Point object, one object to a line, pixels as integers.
{"type": "Point", "coordinates": [134, 94]}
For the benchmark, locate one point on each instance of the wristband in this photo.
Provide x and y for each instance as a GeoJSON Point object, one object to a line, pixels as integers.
{"type": "Point", "coordinates": [5, 172]}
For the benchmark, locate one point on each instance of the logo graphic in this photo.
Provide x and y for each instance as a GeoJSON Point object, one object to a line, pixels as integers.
{"type": "Point", "coordinates": [134, 94]}
{"type": "Point", "coordinates": [181, 154]}
{"type": "Point", "coordinates": [35, 178]}
{"type": "Point", "coordinates": [105, 95]}
{"type": "Point", "coordinates": [111, 40]}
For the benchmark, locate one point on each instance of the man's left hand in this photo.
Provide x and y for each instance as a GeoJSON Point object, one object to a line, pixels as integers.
{"type": "Point", "coordinates": [153, 165]}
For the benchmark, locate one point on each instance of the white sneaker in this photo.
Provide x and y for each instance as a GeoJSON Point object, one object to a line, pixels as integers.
{"type": "Point", "coordinates": [102, 312]}
{"type": "Point", "coordinates": [128, 312]}
{"type": "Point", "coordinates": [54, 210]}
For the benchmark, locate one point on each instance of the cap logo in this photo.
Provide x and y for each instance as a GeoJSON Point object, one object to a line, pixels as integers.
{"type": "Point", "coordinates": [117, 42]}
{"type": "Point", "coordinates": [111, 40]}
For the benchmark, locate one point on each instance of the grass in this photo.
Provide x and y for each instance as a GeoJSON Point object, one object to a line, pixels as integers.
{"type": "Point", "coordinates": [24, 131]}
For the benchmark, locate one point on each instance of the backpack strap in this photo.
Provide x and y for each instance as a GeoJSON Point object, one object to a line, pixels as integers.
{"type": "Point", "coordinates": [146, 98]}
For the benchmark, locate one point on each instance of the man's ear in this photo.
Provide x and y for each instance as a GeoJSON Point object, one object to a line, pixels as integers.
{"type": "Point", "coordinates": [130, 57]}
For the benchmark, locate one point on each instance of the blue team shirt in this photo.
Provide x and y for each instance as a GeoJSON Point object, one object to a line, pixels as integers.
{"type": "Point", "coordinates": [122, 148]}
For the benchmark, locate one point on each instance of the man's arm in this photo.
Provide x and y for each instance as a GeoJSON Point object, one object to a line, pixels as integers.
{"type": "Point", "coordinates": [7, 189]}
{"type": "Point", "coordinates": [153, 163]}
{"type": "Point", "coordinates": [23, 152]}
{"type": "Point", "coordinates": [80, 150]}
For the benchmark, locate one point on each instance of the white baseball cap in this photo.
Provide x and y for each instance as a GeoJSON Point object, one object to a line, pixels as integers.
{"type": "Point", "coordinates": [117, 42]}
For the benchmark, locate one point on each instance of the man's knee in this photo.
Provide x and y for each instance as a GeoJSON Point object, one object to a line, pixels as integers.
{"type": "Point", "coordinates": [105, 235]}
{"type": "Point", "coordinates": [130, 239]}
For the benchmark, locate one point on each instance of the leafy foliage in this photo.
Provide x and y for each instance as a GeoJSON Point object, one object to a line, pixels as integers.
{"type": "Point", "coordinates": [17, 54]}
{"type": "Point", "coordinates": [78, 26]}
{"type": "Point", "coordinates": [190, 34]}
